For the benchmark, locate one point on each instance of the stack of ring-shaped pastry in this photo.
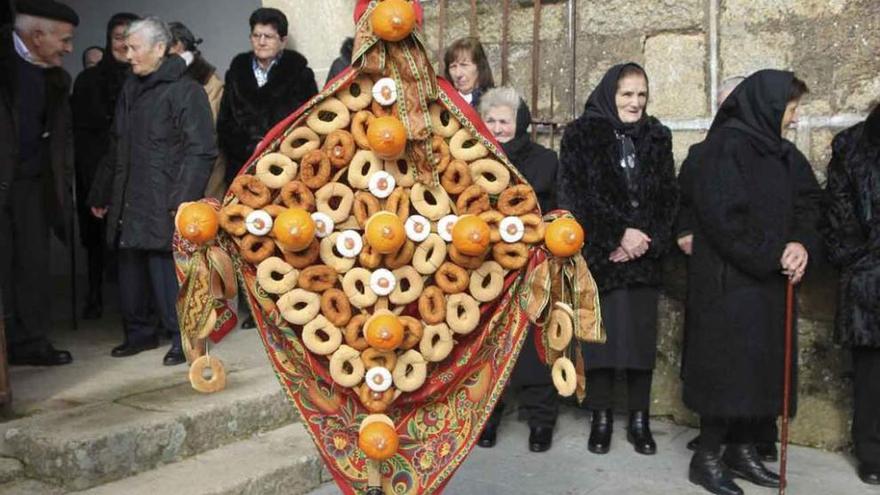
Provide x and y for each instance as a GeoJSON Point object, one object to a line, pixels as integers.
{"type": "Point", "coordinates": [317, 278]}
{"type": "Point", "coordinates": [442, 121]}
{"type": "Point", "coordinates": [564, 376]}
{"type": "Point", "coordinates": [402, 256]}
{"type": "Point", "coordinates": [412, 332]}
{"type": "Point", "coordinates": [356, 285]}
{"type": "Point", "coordinates": [255, 249]}
{"type": "Point", "coordinates": [451, 278]}
{"type": "Point", "coordinates": [493, 220]}
{"type": "Point", "coordinates": [473, 200]}
{"type": "Point", "coordinates": [251, 191]}
{"type": "Point", "coordinates": [436, 342]}
{"type": "Point", "coordinates": [375, 402]}
{"type": "Point", "coordinates": [275, 170]}
{"type": "Point", "coordinates": [431, 202]}
{"type": "Point", "coordinates": [401, 170]}
{"type": "Point", "coordinates": [462, 313]}
{"type": "Point", "coordinates": [363, 165]}
{"type": "Point", "coordinates": [456, 178]}
{"type": "Point", "coordinates": [331, 257]}
{"type": "Point", "coordinates": [511, 256]}
{"type": "Point", "coordinates": [358, 95]}
{"type": "Point", "coordinates": [365, 206]}
{"type": "Point", "coordinates": [432, 305]}
{"type": "Point", "coordinates": [295, 194]}
{"type": "Point", "coordinates": [359, 125]}
{"type": "Point", "coordinates": [311, 336]}
{"type": "Point", "coordinates": [429, 255]}
{"type": "Point", "coordinates": [328, 116]}
{"type": "Point", "coordinates": [353, 335]}
{"type": "Point", "coordinates": [487, 282]}
{"type": "Point", "coordinates": [315, 169]}
{"type": "Point", "coordinates": [491, 175]}
{"type": "Point", "coordinates": [441, 150]}
{"type": "Point", "coordinates": [373, 358]}
{"type": "Point", "coordinates": [350, 375]}
{"type": "Point", "coordinates": [463, 146]}
{"type": "Point", "coordinates": [335, 306]}
{"type": "Point", "coordinates": [464, 260]}
{"type": "Point", "coordinates": [398, 203]}
{"type": "Point", "coordinates": [517, 200]}
{"type": "Point", "coordinates": [276, 276]}
{"type": "Point", "coordinates": [335, 200]}
{"type": "Point", "coordinates": [304, 258]}
{"type": "Point", "coordinates": [534, 228]}
{"type": "Point", "coordinates": [299, 142]}
{"type": "Point", "coordinates": [232, 219]}
{"type": "Point", "coordinates": [409, 286]}
{"type": "Point", "coordinates": [299, 306]}
{"type": "Point", "coordinates": [339, 148]}
{"type": "Point", "coordinates": [410, 372]}
{"type": "Point", "coordinates": [560, 330]}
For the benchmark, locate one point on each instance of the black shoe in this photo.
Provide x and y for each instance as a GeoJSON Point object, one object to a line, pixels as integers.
{"type": "Point", "coordinates": [707, 470]}
{"type": "Point", "coordinates": [130, 349]}
{"type": "Point", "coordinates": [767, 452]}
{"type": "Point", "coordinates": [600, 432]}
{"type": "Point", "coordinates": [694, 443]}
{"type": "Point", "coordinates": [743, 461]}
{"type": "Point", "coordinates": [540, 438]}
{"type": "Point", "coordinates": [639, 433]}
{"type": "Point", "coordinates": [248, 322]}
{"type": "Point", "coordinates": [869, 474]}
{"type": "Point", "coordinates": [46, 356]}
{"type": "Point", "coordinates": [174, 356]}
{"type": "Point", "coordinates": [488, 437]}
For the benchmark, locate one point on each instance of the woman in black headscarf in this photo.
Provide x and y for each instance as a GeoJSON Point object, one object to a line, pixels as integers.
{"type": "Point", "coordinates": [617, 177]}
{"type": "Point", "coordinates": [93, 104]}
{"type": "Point", "coordinates": [852, 234]}
{"type": "Point", "coordinates": [754, 230]}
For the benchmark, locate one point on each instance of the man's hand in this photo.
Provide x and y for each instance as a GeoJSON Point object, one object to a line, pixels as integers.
{"type": "Point", "coordinates": [99, 212]}
{"type": "Point", "coordinates": [794, 261]}
{"type": "Point", "coordinates": [686, 244]}
{"type": "Point", "coordinates": [635, 243]}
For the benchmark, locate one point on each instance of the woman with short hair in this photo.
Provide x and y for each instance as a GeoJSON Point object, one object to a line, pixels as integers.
{"type": "Point", "coordinates": [467, 68]}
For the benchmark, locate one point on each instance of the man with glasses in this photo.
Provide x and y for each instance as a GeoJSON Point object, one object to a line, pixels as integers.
{"type": "Point", "coordinates": [263, 86]}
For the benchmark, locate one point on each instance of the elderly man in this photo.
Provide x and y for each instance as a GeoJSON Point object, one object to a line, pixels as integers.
{"type": "Point", "coordinates": [35, 171]}
{"type": "Point", "coordinates": [163, 151]}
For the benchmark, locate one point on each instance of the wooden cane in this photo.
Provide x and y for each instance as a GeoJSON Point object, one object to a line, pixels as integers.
{"type": "Point", "coordinates": [786, 385]}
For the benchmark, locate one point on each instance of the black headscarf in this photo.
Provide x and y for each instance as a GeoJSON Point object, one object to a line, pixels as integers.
{"type": "Point", "coordinates": [871, 133]}
{"type": "Point", "coordinates": [114, 72]}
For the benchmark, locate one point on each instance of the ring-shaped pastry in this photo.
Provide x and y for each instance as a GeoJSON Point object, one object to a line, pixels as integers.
{"type": "Point", "coordinates": [417, 227]}
{"type": "Point", "coordinates": [274, 210]}
{"type": "Point", "coordinates": [533, 228]}
{"type": "Point", "coordinates": [383, 111]}
{"type": "Point", "coordinates": [353, 334]}
{"type": "Point", "coordinates": [473, 200]}
{"type": "Point", "coordinates": [304, 258]}
{"type": "Point", "coordinates": [402, 256]}
{"type": "Point", "coordinates": [346, 368]}
{"type": "Point", "coordinates": [464, 260]}
{"type": "Point", "coordinates": [451, 278]}
{"type": "Point", "coordinates": [511, 256]}
{"type": "Point", "coordinates": [197, 379]}
{"type": "Point", "coordinates": [564, 376]}
{"type": "Point", "coordinates": [517, 200]}
{"type": "Point", "coordinates": [258, 223]}
{"type": "Point", "coordinates": [463, 146]}
{"type": "Point", "coordinates": [512, 229]}
{"type": "Point", "coordinates": [487, 282]}
{"type": "Point", "coordinates": [251, 191]}
{"type": "Point", "coordinates": [430, 202]}
{"type": "Point", "coordinates": [385, 91]}
{"type": "Point", "coordinates": [442, 121]}
{"type": "Point", "coordinates": [232, 219]}
{"type": "Point", "coordinates": [335, 307]}
{"type": "Point", "coordinates": [356, 285]}
{"type": "Point", "coordinates": [317, 278]}
{"type": "Point", "coordinates": [432, 305]}
{"type": "Point", "coordinates": [369, 257]}
{"type": "Point", "coordinates": [311, 336]}
{"type": "Point", "coordinates": [373, 358]}
{"type": "Point", "coordinates": [332, 257]}
{"type": "Point", "coordinates": [349, 244]}
{"type": "Point", "coordinates": [359, 125]}
{"type": "Point", "coordinates": [379, 379]}
{"type": "Point", "coordinates": [383, 282]}
{"type": "Point", "coordinates": [493, 219]}
{"type": "Point", "coordinates": [456, 178]}
{"type": "Point", "coordinates": [324, 225]}
{"type": "Point", "coordinates": [381, 184]}
{"type": "Point", "coordinates": [335, 200]}
{"type": "Point", "coordinates": [255, 249]}
{"type": "Point", "coordinates": [275, 170]}
{"type": "Point", "coordinates": [365, 206]}
{"type": "Point", "coordinates": [429, 255]}
{"type": "Point", "coordinates": [339, 147]}
{"type": "Point", "coordinates": [491, 175]}
{"type": "Point", "coordinates": [295, 194]}
{"type": "Point", "coordinates": [412, 332]}
{"type": "Point", "coordinates": [276, 276]}
{"type": "Point", "coordinates": [299, 306]}
{"type": "Point", "coordinates": [358, 95]}
{"type": "Point", "coordinates": [315, 169]}
{"type": "Point", "coordinates": [402, 171]}
{"type": "Point", "coordinates": [375, 402]}
{"type": "Point", "coordinates": [363, 165]}
{"type": "Point", "coordinates": [410, 372]}
{"type": "Point", "coordinates": [398, 203]}
{"type": "Point", "coordinates": [441, 154]}
{"type": "Point", "coordinates": [462, 313]}
{"type": "Point", "coordinates": [560, 330]}
{"type": "Point", "coordinates": [409, 286]}
{"type": "Point", "coordinates": [436, 343]}
{"type": "Point", "coordinates": [299, 142]}
{"type": "Point", "coordinates": [328, 116]}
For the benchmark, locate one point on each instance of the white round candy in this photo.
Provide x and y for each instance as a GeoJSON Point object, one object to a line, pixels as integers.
{"type": "Point", "coordinates": [385, 91]}
{"type": "Point", "coordinates": [511, 229]}
{"type": "Point", "coordinates": [382, 184]}
{"type": "Point", "coordinates": [382, 282]}
{"type": "Point", "coordinates": [444, 227]}
{"type": "Point", "coordinates": [378, 379]}
{"type": "Point", "coordinates": [349, 243]}
{"type": "Point", "coordinates": [418, 228]}
{"type": "Point", "coordinates": [258, 222]}
{"type": "Point", "coordinates": [323, 224]}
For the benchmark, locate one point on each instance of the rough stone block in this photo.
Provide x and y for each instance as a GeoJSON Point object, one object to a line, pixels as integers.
{"type": "Point", "coordinates": [743, 52]}
{"type": "Point", "coordinates": [675, 64]}
{"type": "Point", "coordinates": [763, 10]}
{"type": "Point", "coordinates": [622, 16]}
{"type": "Point", "coordinates": [10, 469]}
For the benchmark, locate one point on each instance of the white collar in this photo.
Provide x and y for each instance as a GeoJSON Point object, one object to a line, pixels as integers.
{"type": "Point", "coordinates": [23, 52]}
{"type": "Point", "coordinates": [467, 97]}
{"type": "Point", "coordinates": [187, 57]}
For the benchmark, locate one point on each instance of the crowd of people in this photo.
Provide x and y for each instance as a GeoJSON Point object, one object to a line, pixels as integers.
{"type": "Point", "coordinates": [150, 125]}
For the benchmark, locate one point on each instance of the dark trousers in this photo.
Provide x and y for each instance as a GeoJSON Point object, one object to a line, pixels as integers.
{"type": "Point", "coordinates": [142, 274]}
{"type": "Point", "coordinates": [866, 413]}
{"type": "Point", "coordinates": [24, 267]}
{"type": "Point", "coordinates": [600, 389]}
{"type": "Point", "coordinates": [715, 432]}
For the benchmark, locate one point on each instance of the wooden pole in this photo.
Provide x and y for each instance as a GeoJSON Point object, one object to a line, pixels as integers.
{"type": "Point", "coordinates": [441, 35]}
{"type": "Point", "coordinates": [536, 62]}
{"type": "Point", "coordinates": [786, 385]}
{"type": "Point", "coordinates": [505, 42]}
{"type": "Point", "coordinates": [474, 23]}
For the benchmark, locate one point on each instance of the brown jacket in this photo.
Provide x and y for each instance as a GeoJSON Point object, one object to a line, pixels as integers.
{"type": "Point", "coordinates": [206, 75]}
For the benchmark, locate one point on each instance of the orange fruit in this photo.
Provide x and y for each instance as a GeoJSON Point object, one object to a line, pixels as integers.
{"type": "Point", "coordinates": [387, 137]}
{"type": "Point", "coordinates": [294, 229]}
{"type": "Point", "coordinates": [393, 20]}
{"type": "Point", "coordinates": [564, 237]}
{"type": "Point", "coordinates": [197, 222]}
{"type": "Point", "coordinates": [384, 332]}
{"type": "Point", "coordinates": [385, 232]}
{"type": "Point", "coordinates": [470, 235]}
{"type": "Point", "coordinates": [378, 441]}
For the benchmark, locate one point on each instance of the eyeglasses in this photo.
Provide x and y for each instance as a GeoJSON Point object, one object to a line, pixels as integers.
{"type": "Point", "coordinates": [264, 36]}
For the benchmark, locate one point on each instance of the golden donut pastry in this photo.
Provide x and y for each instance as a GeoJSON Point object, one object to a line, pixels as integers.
{"type": "Point", "coordinates": [274, 210]}
{"type": "Point", "coordinates": [375, 402]}
{"type": "Point", "coordinates": [299, 306]}
{"type": "Point", "coordinates": [332, 257]}
{"type": "Point", "coordinates": [276, 276]}
{"type": "Point", "coordinates": [353, 334]}
{"type": "Point", "coordinates": [385, 91]}
{"type": "Point", "coordinates": [511, 256]}
{"type": "Point", "coordinates": [456, 178]}
{"type": "Point", "coordinates": [251, 191]}
{"type": "Point", "coordinates": [564, 376]}
{"type": "Point", "coordinates": [451, 278]}
{"type": "Point", "coordinates": [464, 260]}
{"type": "Point", "coordinates": [534, 228]}
{"type": "Point", "coordinates": [335, 307]}
{"type": "Point", "coordinates": [429, 255]}
{"type": "Point", "coordinates": [560, 330]}
{"type": "Point", "coordinates": [441, 153]}
{"type": "Point", "coordinates": [295, 194]}
{"type": "Point", "coordinates": [315, 169]}
{"type": "Point", "coordinates": [359, 125]}
{"type": "Point", "coordinates": [517, 200]}
{"type": "Point", "coordinates": [317, 278]}
{"type": "Point", "coordinates": [487, 282]}
{"type": "Point", "coordinates": [356, 285]}
{"type": "Point", "coordinates": [402, 256]}
{"type": "Point", "coordinates": [369, 257]}
{"type": "Point", "coordinates": [432, 305]}
{"type": "Point", "coordinates": [398, 203]}
{"type": "Point", "coordinates": [335, 200]}
{"type": "Point", "coordinates": [304, 258]}
{"type": "Point", "coordinates": [339, 147]}
{"type": "Point", "coordinates": [409, 286]}
{"type": "Point", "coordinates": [402, 171]}
{"type": "Point", "coordinates": [474, 200]}
{"type": "Point", "coordinates": [430, 202]}
{"type": "Point", "coordinates": [462, 313]}
{"type": "Point", "coordinates": [275, 170]}
{"type": "Point", "coordinates": [358, 95]}
{"type": "Point", "coordinates": [299, 142]}
{"type": "Point", "coordinates": [410, 372]}
{"type": "Point", "coordinates": [380, 110]}
{"type": "Point", "coordinates": [412, 332]}
{"type": "Point", "coordinates": [255, 249]}
{"type": "Point", "coordinates": [442, 121]}
{"type": "Point", "coordinates": [364, 164]}
{"type": "Point", "coordinates": [328, 116]}
{"type": "Point", "coordinates": [365, 205]}
{"type": "Point", "coordinates": [313, 341]}
{"type": "Point", "coordinates": [463, 146]}
{"type": "Point", "coordinates": [373, 358]}
{"type": "Point", "coordinates": [232, 219]}
{"type": "Point", "coordinates": [493, 219]}
{"type": "Point", "coordinates": [491, 175]}
{"type": "Point", "coordinates": [350, 375]}
{"type": "Point", "coordinates": [512, 229]}
{"type": "Point", "coordinates": [197, 379]}
{"type": "Point", "coordinates": [436, 342]}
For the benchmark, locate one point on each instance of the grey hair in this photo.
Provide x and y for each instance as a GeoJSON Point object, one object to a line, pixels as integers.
{"type": "Point", "coordinates": [154, 28]}
{"type": "Point", "coordinates": [503, 96]}
{"type": "Point", "coordinates": [26, 24]}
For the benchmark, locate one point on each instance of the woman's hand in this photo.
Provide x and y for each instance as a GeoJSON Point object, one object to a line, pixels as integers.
{"type": "Point", "coordinates": [635, 243]}
{"type": "Point", "coordinates": [619, 256]}
{"type": "Point", "coordinates": [794, 261]}
{"type": "Point", "coordinates": [686, 244]}
{"type": "Point", "coordinates": [99, 212]}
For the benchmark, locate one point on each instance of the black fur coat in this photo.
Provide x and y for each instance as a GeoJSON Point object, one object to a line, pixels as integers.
{"type": "Point", "coordinates": [593, 187]}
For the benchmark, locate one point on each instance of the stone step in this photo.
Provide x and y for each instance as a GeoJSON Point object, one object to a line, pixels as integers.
{"type": "Point", "coordinates": [283, 461]}
{"type": "Point", "coordinates": [94, 444]}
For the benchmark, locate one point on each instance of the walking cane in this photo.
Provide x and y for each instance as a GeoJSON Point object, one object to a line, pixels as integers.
{"type": "Point", "coordinates": [72, 239]}
{"type": "Point", "coordinates": [786, 385]}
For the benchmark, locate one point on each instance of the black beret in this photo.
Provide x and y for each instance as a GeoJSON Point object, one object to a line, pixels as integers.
{"type": "Point", "coordinates": [49, 9]}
